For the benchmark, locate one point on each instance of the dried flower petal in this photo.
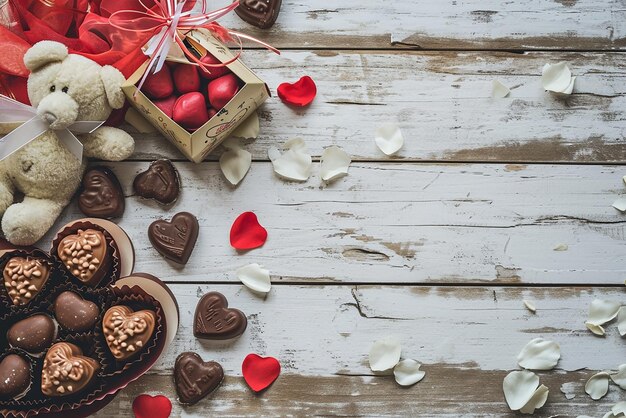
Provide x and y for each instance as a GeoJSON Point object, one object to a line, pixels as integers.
{"type": "Point", "coordinates": [621, 321]}
{"type": "Point", "coordinates": [255, 277]}
{"type": "Point", "coordinates": [249, 128]}
{"type": "Point", "coordinates": [597, 386]}
{"type": "Point", "coordinates": [602, 311]}
{"type": "Point", "coordinates": [539, 354]}
{"type": "Point", "coordinates": [620, 204]}
{"type": "Point", "coordinates": [530, 306]}
{"type": "Point", "coordinates": [619, 378]}
{"type": "Point", "coordinates": [557, 78]}
{"type": "Point", "coordinates": [408, 372]}
{"type": "Point", "coordinates": [561, 247]}
{"type": "Point", "coordinates": [293, 164]}
{"type": "Point", "coordinates": [538, 400]}
{"type": "Point", "coordinates": [389, 138]}
{"type": "Point", "coordinates": [519, 387]}
{"type": "Point", "coordinates": [334, 163]}
{"type": "Point", "coordinates": [384, 354]}
{"type": "Point", "coordinates": [596, 329]}
{"type": "Point", "coordinates": [235, 163]}
{"type": "Point", "coordinates": [499, 90]}
{"type": "Point", "coordinates": [301, 93]}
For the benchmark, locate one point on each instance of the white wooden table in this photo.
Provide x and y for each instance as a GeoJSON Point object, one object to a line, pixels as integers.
{"type": "Point", "coordinates": [438, 245]}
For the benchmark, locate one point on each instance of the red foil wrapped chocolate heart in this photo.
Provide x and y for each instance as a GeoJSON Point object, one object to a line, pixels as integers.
{"type": "Point", "coordinates": [190, 111]}
{"type": "Point", "coordinates": [222, 90]}
{"type": "Point", "coordinates": [166, 105]}
{"type": "Point", "coordinates": [186, 78]}
{"type": "Point", "coordinates": [213, 72]}
{"type": "Point", "coordinates": [159, 85]}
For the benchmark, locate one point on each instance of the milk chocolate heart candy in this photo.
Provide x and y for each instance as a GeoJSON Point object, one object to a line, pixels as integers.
{"type": "Point", "coordinates": [160, 182]}
{"type": "Point", "coordinates": [175, 240]}
{"type": "Point", "coordinates": [66, 371]}
{"type": "Point", "coordinates": [86, 255]}
{"type": "Point", "coordinates": [101, 195]}
{"type": "Point", "coordinates": [33, 334]}
{"type": "Point", "coordinates": [75, 313]}
{"type": "Point", "coordinates": [213, 72]}
{"type": "Point", "coordinates": [190, 111]}
{"type": "Point", "coordinates": [215, 320]}
{"type": "Point", "coordinates": [222, 90]}
{"type": "Point", "coordinates": [186, 78]}
{"type": "Point", "coordinates": [127, 332]}
{"type": "Point", "coordinates": [195, 378]}
{"type": "Point", "coordinates": [24, 277]}
{"type": "Point", "coordinates": [260, 13]}
{"type": "Point", "coordinates": [159, 85]}
{"type": "Point", "coordinates": [14, 377]}
{"type": "Point", "coordinates": [166, 105]}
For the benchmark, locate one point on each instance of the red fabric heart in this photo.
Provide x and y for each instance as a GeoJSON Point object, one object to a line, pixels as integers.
{"type": "Point", "coordinates": [146, 406]}
{"type": "Point", "coordinates": [259, 372]}
{"type": "Point", "coordinates": [246, 232]}
{"type": "Point", "coordinates": [301, 93]}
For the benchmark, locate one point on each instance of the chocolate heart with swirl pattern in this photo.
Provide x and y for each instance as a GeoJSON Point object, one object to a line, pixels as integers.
{"type": "Point", "coordinates": [175, 239]}
{"type": "Point", "coordinates": [195, 378]}
{"type": "Point", "coordinates": [215, 320]}
{"type": "Point", "coordinates": [260, 13]}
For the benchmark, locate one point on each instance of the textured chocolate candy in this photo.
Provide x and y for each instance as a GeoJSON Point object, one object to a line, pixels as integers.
{"type": "Point", "coordinates": [160, 182]}
{"type": "Point", "coordinates": [24, 277]}
{"type": "Point", "coordinates": [215, 320]}
{"type": "Point", "coordinates": [14, 377]}
{"type": "Point", "coordinates": [195, 378]}
{"type": "Point", "coordinates": [33, 334]}
{"type": "Point", "coordinates": [86, 255]}
{"type": "Point", "coordinates": [66, 371]}
{"type": "Point", "coordinates": [75, 313]}
{"type": "Point", "coordinates": [101, 195]}
{"type": "Point", "coordinates": [175, 239]}
{"type": "Point", "coordinates": [127, 332]}
{"type": "Point", "coordinates": [260, 13]}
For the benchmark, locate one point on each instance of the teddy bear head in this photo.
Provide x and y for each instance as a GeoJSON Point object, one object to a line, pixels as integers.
{"type": "Point", "coordinates": [66, 88]}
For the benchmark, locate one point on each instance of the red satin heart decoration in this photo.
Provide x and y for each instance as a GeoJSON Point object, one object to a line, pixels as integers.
{"type": "Point", "coordinates": [259, 372]}
{"type": "Point", "coordinates": [301, 93]}
{"type": "Point", "coordinates": [246, 232]}
{"type": "Point", "coordinates": [146, 406]}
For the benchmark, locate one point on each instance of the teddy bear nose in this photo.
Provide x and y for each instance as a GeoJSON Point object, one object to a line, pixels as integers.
{"type": "Point", "coordinates": [49, 117]}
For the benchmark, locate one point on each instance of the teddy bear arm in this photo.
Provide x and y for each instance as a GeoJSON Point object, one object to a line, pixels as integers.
{"type": "Point", "coordinates": [27, 222]}
{"type": "Point", "coordinates": [7, 189]}
{"type": "Point", "coordinates": [108, 143]}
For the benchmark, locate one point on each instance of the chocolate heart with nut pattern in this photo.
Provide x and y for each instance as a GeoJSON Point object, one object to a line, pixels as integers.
{"type": "Point", "coordinates": [66, 371]}
{"type": "Point", "coordinates": [127, 332]}
{"type": "Point", "coordinates": [24, 277]}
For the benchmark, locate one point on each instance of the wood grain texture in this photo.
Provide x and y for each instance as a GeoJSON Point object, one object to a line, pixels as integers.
{"type": "Point", "coordinates": [442, 101]}
{"type": "Point", "coordinates": [397, 223]}
{"type": "Point", "coordinates": [466, 338]}
{"type": "Point", "coordinates": [458, 24]}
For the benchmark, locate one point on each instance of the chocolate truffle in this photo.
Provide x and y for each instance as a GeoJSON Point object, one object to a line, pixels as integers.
{"type": "Point", "coordinates": [176, 239]}
{"type": "Point", "coordinates": [66, 371]}
{"type": "Point", "coordinates": [33, 334]}
{"type": "Point", "coordinates": [127, 332]}
{"type": "Point", "coordinates": [24, 277]}
{"type": "Point", "coordinates": [195, 378]}
{"type": "Point", "coordinates": [215, 320]}
{"type": "Point", "coordinates": [75, 313]}
{"type": "Point", "coordinates": [86, 255]}
{"type": "Point", "coordinates": [160, 182]}
{"type": "Point", "coordinates": [101, 195]}
{"type": "Point", "coordinates": [14, 377]}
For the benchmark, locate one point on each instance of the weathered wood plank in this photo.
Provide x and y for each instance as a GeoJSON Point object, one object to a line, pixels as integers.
{"type": "Point", "coordinates": [527, 24]}
{"type": "Point", "coordinates": [442, 101]}
{"type": "Point", "coordinates": [467, 339]}
{"type": "Point", "coordinates": [398, 223]}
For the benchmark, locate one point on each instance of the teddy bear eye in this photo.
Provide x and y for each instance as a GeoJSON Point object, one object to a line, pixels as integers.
{"type": "Point", "coordinates": [52, 88]}
{"type": "Point", "coordinates": [64, 89]}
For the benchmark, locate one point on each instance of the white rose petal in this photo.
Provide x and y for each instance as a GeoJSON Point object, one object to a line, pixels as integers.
{"type": "Point", "coordinates": [596, 329]}
{"type": "Point", "coordinates": [557, 77]}
{"type": "Point", "coordinates": [530, 306]}
{"type": "Point", "coordinates": [619, 409]}
{"type": "Point", "coordinates": [384, 354]}
{"type": "Point", "coordinates": [619, 378]}
{"type": "Point", "coordinates": [538, 400]}
{"type": "Point", "coordinates": [293, 164]}
{"type": "Point", "coordinates": [408, 372]}
{"type": "Point", "coordinates": [561, 247]}
{"type": "Point", "coordinates": [389, 138]}
{"type": "Point", "coordinates": [609, 415]}
{"type": "Point", "coordinates": [620, 204]}
{"type": "Point", "coordinates": [602, 311]}
{"type": "Point", "coordinates": [255, 278]}
{"type": "Point", "coordinates": [597, 386]}
{"type": "Point", "coordinates": [499, 90]}
{"type": "Point", "coordinates": [235, 163]}
{"type": "Point", "coordinates": [519, 387]}
{"type": "Point", "coordinates": [539, 354]}
{"type": "Point", "coordinates": [624, 179]}
{"type": "Point", "coordinates": [249, 128]}
{"type": "Point", "coordinates": [334, 163]}
{"type": "Point", "coordinates": [621, 321]}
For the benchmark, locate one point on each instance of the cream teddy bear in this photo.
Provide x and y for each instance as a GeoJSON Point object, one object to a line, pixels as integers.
{"type": "Point", "coordinates": [64, 88]}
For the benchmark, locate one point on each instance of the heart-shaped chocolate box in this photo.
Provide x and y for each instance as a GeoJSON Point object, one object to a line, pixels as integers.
{"type": "Point", "coordinates": [134, 291]}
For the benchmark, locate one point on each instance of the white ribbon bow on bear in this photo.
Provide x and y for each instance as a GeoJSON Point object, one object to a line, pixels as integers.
{"type": "Point", "coordinates": [14, 111]}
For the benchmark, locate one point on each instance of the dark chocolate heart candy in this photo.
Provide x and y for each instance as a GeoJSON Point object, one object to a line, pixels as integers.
{"type": "Point", "coordinates": [24, 277]}
{"type": "Point", "coordinates": [160, 182]}
{"type": "Point", "coordinates": [33, 334]}
{"type": "Point", "coordinates": [195, 378]}
{"type": "Point", "coordinates": [101, 194]}
{"type": "Point", "coordinates": [14, 377]}
{"type": "Point", "coordinates": [215, 320]}
{"type": "Point", "coordinates": [75, 313]}
{"type": "Point", "coordinates": [260, 13]}
{"type": "Point", "coordinates": [175, 239]}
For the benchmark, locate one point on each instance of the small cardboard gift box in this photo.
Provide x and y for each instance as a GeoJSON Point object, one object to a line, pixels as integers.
{"type": "Point", "coordinates": [197, 145]}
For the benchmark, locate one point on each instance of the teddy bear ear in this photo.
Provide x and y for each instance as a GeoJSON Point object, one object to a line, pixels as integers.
{"type": "Point", "coordinates": [113, 80]}
{"type": "Point", "coordinates": [43, 53]}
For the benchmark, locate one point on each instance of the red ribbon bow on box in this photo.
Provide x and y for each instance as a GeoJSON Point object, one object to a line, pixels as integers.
{"type": "Point", "coordinates": [167, 19]}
